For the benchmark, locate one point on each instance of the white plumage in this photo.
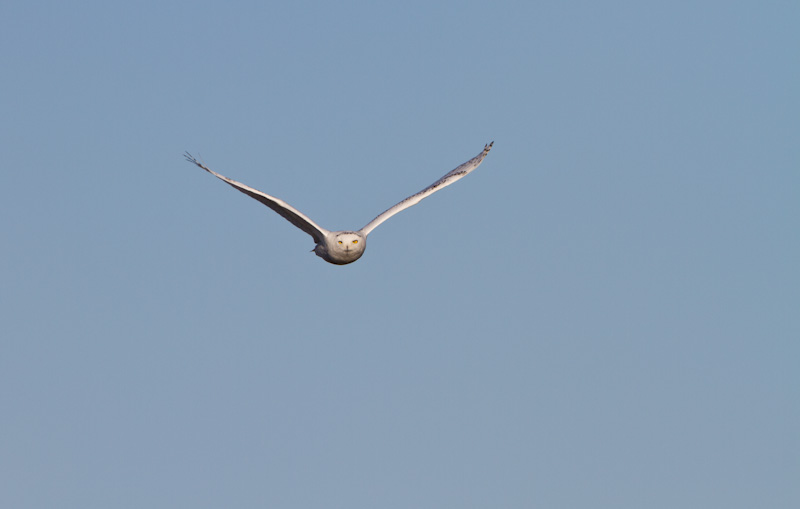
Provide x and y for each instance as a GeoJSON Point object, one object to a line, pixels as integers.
{"type": "Point", "coordinates": [343, 247]}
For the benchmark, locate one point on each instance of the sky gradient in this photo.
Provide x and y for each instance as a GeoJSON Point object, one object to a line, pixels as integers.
{"type": "Point", "coordinates": [604, 314]}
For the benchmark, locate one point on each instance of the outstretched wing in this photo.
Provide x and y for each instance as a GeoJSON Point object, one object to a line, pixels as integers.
{"type": "Point", "coordinates": [290, 213]}
{"type": "Point", "coordinates": [445, 181]}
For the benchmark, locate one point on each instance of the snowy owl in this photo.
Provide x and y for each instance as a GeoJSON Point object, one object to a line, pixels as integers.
{"type": "Point", "coordinates": [345, 246]}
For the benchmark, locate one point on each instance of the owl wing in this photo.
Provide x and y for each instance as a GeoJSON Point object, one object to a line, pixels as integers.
{"type": "Point", "coordinates": [445, 181]}
{"type": "Point", "coordinates": [288, 212]}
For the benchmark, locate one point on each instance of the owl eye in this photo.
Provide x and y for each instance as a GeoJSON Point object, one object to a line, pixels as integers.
{"type": "Point", "coordinates": [340, 242]}
{"type": "Point", "coordinates": [355, 242]}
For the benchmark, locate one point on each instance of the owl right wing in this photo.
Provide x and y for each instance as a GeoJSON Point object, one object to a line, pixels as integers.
{"type": "Point", "coordinates": [449, 178]}
{"type": "Point", "coordinates": [288, 212]}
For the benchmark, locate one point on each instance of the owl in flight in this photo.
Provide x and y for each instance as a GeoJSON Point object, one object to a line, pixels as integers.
{"type": "Point", "coordinates": [345, 246]}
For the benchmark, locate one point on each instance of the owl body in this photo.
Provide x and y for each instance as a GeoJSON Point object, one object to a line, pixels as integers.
{"type": "Point", "coordinates": [345, 246]}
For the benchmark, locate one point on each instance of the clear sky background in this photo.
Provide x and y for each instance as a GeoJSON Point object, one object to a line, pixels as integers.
{"type": "Point", "coordinates": [605, 314]}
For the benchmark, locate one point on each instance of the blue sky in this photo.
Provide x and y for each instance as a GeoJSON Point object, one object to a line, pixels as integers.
{"type": "Point", "coordinates": [604, 314]}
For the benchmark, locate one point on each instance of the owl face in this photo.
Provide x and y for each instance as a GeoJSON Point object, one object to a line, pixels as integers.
{"type": "Point", "coordinates": [345, 242]}
{"type": "Point", "coordinates": [342, 247]}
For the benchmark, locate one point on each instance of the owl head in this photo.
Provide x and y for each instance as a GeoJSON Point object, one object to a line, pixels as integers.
{"type": "Point", "coordinates": [342, 247]}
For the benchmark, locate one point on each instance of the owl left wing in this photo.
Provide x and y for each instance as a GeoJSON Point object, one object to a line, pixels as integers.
{"type": "Point", "coordinates": [451, 177]}
{"type": "Point", "coordinates": [288, 212]}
